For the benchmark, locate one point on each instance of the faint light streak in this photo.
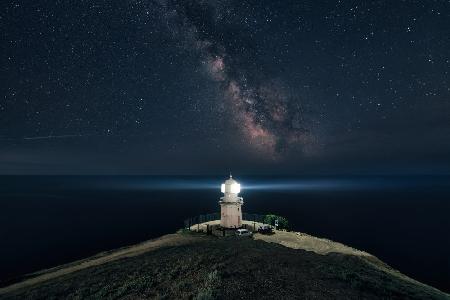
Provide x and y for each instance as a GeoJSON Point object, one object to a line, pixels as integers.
{"type": "Point", "coordinates": [289, 185]}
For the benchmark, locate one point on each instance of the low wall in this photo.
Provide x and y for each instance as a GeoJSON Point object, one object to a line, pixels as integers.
{"type": "Point", "coordinates": [213, 227]}
{"type": "Point", "coordinates": [188, 223]}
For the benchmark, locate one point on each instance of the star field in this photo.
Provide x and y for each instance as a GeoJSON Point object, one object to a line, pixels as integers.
{"type": "Point", "coordinates": [168, 86]}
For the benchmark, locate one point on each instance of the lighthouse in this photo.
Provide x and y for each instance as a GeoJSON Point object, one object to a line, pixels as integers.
{"type": "Point", "coordinates": [231, 204]}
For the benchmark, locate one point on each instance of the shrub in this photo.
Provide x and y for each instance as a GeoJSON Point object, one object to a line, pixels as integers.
{"type": "Point", "coordinates": [283, 223]}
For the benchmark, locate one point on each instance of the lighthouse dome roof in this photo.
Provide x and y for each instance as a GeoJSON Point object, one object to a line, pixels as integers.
{"type": "Point", "coordinates": [230, 181]}
{"type": "Point", "coordinates": [230, 186]}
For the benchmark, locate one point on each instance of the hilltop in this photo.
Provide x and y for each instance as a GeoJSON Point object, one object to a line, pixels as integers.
{"type": "Point", "coordinates": [189, 265]}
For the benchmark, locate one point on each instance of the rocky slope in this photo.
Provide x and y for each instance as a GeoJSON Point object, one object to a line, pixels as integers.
{"type": "Point", "coordinates": [194, 266]}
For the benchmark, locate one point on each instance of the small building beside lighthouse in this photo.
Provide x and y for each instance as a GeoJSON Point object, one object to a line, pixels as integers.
{"type": "Point", "coordinates": [231, 204]}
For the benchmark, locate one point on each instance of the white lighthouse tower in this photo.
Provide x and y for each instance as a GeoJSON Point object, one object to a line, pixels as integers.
{"type": "Point", "coordinates": [230, 204]}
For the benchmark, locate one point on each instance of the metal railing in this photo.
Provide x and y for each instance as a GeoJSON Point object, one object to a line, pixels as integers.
{"type": "Point", "coordinates": [216, 216]}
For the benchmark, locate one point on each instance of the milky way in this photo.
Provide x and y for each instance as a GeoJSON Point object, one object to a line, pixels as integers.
{"type": "Point", "coordinates": [182, 86]}
{"type": "Point", "coordinates": [262, 107]}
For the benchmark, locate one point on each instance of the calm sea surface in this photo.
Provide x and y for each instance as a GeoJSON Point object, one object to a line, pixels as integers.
{"type": "Point", "coordinates": [50, 220]}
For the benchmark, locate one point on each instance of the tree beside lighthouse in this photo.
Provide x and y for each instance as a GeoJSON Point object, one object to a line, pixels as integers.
{"type": "Point", "coordinates": [231, 204]}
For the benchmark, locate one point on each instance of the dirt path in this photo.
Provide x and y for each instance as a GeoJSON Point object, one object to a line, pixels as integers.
{"type": "Point", "coordinates": [298, 240]}
{"type": "Point", "coordinates": [105, 257]}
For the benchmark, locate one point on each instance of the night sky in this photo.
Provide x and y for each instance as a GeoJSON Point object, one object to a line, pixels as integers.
{"type": "Point", "coordinates": [196, 87]}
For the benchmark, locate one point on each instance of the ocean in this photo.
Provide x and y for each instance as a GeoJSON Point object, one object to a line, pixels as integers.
{"type": "Point", "coordinates": [46, 221]}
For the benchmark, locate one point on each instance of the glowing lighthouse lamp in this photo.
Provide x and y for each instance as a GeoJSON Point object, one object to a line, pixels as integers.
{"type": "Point", "coordinates": [230, 204]}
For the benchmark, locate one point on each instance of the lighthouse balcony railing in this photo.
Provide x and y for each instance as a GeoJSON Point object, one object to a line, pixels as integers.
{"type": "Point", "coordinates": [240, 200]}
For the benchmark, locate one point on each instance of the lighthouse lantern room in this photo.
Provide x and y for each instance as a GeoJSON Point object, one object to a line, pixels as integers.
{"type": "Point", "coordinates": [231, 204]}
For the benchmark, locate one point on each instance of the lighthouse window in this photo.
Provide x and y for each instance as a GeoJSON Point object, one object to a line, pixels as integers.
{"type": "Point", "coordinates": [235, 188]}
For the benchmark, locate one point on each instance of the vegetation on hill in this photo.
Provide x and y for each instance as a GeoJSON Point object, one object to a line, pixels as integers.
{"type": "Point", "coordinates": [271, 219]}
{"type": "Point", "coordinates": [228, 268]}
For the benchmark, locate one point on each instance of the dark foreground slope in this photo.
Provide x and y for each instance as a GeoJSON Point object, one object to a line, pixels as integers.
{"type": "Point", "coordinates": [206, 268]}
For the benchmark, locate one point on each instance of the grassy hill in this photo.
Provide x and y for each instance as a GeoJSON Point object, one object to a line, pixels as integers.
{"type": "Point", "coordinates": [194, 266]}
